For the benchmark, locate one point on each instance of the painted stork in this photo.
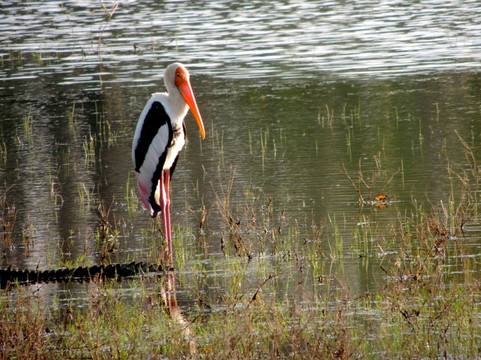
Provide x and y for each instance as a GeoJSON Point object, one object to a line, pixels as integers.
{"type": "Point", "coordinates": [158, 140]}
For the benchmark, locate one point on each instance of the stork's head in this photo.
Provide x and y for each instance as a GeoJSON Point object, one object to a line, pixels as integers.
{"type": "Point", "coordinates": [177, 77]}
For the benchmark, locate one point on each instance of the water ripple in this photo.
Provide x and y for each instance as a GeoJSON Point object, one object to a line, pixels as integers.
{"type": "Point", "coordinates": [240, 40]}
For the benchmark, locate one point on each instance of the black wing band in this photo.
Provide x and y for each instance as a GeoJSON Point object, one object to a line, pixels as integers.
{"type": "Point", "coordinates": [156, 117]}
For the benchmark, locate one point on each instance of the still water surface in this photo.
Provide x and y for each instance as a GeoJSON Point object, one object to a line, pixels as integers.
{"type": "Point", "coordinates": [291, 92]}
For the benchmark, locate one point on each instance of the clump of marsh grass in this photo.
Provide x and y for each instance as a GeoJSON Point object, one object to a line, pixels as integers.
{"type": "Point", "coordinates": [441, 225]}
{"type": "Point", "coordinates": [24, 332]}
{"type": "Point", "coordinates": [107, 234]}
{"type": "Point", "coordinates": [368, 187]}
{"type": "Point", "coordinates": [431, 294]}
{"type": "Point", "coordinates": [255, 225]}
{"type": "Point", "coordinates": [9, 216]}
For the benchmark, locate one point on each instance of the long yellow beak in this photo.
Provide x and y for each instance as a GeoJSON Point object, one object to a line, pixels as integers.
{"type": "Point", "coordinates": [188, 95]}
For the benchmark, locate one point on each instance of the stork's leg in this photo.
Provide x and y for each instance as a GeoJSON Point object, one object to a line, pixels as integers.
{"type": "Point", "coordinates": [165, 204]}
{"type": "Point", "coordinates": [167, 215]}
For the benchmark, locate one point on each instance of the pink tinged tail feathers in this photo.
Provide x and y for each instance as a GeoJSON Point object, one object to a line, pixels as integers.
{"type": "Point", "coordinates": [144, 192]}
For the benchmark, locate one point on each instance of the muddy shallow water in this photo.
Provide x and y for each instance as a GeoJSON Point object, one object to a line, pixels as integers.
{"type": "Point", "coordinates": [293, 96]}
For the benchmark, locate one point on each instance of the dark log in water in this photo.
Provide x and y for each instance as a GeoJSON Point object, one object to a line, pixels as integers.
{"type": "Point", "coordinates": [112, 271]}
